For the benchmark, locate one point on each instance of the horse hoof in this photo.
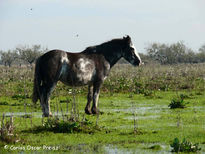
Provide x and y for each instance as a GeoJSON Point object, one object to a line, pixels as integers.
{"type": "Point", "coordinates": [95, 111]}
{"type": "Point", "coordinates": [50, 114]}
{"type": "Point", "coordinates": [88, 112]}
{"type": "Point", "coordinates": [47, 115]}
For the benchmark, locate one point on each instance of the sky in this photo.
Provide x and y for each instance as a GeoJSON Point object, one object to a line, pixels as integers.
{"type": "Point", "coordinates": [73, 25]}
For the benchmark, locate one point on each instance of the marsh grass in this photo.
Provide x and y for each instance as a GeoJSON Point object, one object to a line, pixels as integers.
{"type": "Point", "coordinates": [123, 78]}
{"type": "Point", "coordinates": [7, 130]}
{"type": "Point", "coordinates": [113, 126]}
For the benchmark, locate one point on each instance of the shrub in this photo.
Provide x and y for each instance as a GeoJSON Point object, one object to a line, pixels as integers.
{"type": "Point", "coordinates": [184, 146]}
{"type": "Point", "coordinates": [4, 103]}
{"type": "Point", "coordinates": [178, 102]}
{"type": "Point", "coordinates": [148, 93]}
{"type": "Point", "coordinates": [20, 96]}
{"type": "Point", "coordinates": [60, 126]}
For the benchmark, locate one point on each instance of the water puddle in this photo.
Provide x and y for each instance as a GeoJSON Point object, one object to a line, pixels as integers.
{"type": "Point", "coordinates": [28, 114]}
{"type": "Point", "coordinates": [140, 148]}
{"type": "Point", "coordinates": [141, 110]}
{"type": "Point", "coordinates": [142, 117]}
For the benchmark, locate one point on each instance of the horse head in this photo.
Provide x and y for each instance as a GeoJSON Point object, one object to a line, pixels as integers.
{"type": "Point", "coordinates": [130, 53]}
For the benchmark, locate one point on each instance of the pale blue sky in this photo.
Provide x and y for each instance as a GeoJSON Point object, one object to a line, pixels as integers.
{"type": "Point", "coordinates": [55, 23]}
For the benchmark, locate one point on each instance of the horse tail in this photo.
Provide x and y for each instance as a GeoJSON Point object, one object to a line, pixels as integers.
{"type": "Point", "coordinates": [37, 82]}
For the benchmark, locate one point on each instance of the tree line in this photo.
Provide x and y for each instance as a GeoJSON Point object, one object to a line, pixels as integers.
{"type": "Point", "coordinates": [155, 52]}
{"type": "Point", "coordinates": [21, 55]}
{"type": "Point", "coordinates": [173, 53]}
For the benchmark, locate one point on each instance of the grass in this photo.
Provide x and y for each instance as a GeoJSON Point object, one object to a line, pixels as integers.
{"type": "Point", "coordinates": [156, 123]}
{"type": "Point", "coordinates": [142, 96]}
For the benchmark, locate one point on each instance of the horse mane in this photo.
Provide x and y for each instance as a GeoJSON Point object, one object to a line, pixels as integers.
{"type": "Point", "coordinates": [106, 45]}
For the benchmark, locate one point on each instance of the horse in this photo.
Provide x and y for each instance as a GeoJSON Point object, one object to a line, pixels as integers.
{"type": "Point", "coordinates": [89, 67]}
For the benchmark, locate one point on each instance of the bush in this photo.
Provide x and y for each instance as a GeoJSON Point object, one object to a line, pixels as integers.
{"type": "Point", "coordinates": [178, 102]}
{"type": "Point", "coordinates": [184, 146]}
{"type": "Point", "coordinates": [60, 126]}
{"type": "Point", "coordinates": [4, 103]}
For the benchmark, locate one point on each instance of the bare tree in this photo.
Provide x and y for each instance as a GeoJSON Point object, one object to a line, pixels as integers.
{"type": "Point", "coordinates": [8, 57]}
{"type": "Point", "coordinates": [29, 55]}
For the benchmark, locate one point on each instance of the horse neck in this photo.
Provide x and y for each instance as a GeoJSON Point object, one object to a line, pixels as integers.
{"type": "Point", "coordinates": [112, 56]}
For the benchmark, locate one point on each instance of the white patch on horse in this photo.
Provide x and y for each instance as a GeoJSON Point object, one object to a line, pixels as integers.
{"type": "Point", "coordinates": [64, 58]}
{"type": "Point", "coordinates": [86, 70]}
{"type": "Point", "coordinates": [135, 52]}
{"type": "Point", "coordinates": [65, 62]}
{"type": "Point", "coordinates": [107, 68]}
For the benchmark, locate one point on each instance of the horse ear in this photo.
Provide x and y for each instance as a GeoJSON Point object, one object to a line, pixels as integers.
{"type": "Point", "coordinates": [127, 38]}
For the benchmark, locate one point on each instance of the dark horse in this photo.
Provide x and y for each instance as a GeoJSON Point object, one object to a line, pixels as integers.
{"type": "Point", "coordinates": [89, 67]}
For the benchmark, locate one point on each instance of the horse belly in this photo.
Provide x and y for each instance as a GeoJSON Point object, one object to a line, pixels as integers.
{"type": "Point", "coordinates": [84, 78]}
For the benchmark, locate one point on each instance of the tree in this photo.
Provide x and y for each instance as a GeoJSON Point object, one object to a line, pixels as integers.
{"type": "Point", "coordinates": [201, 54]}
{"type": "Point", "coordinates": [190, 57]}
{"type": "Point", "coordinates": [29, 55]}
{"type": "Point", "coordinates": [202, 48]}
{"type": "Point", "coordinates": [178, 51]}
{"type": "Point", "coordinates": [171, 54]}
{"type": "Point", "coordinates": [8, 57]}
{"type": "Point", "coordinates": [157, 52]}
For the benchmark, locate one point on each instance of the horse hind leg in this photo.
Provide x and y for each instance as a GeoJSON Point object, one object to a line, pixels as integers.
{"type": "Point", "coordinates": [89, 99]}
{"type": "Point", "coordinates": [45, 99]}
{"type": "Point", "coordinates": [96, 92]}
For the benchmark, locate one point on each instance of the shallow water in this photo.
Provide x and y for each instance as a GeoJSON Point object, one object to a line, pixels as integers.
{"type": "Point", "coordinates": [141, 148]}
{"type": "Point", "coordinates": [138, 110]}
{"type": "Point", "coordinates": [33, 114]}
{"type": "Point", "coordinates": [142, 117]}
{"type": "Point", "coordinates": [141, 109]}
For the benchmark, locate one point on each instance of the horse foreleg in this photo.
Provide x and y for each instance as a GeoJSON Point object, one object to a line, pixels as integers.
{"type": "Point", "coordinates": [96, 92]}
{"type": "Point", "coordinates": [89, 99]}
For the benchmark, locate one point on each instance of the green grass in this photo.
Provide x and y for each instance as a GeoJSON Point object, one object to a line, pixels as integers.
{"type": "Point", "coordinates": [156, 123]}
